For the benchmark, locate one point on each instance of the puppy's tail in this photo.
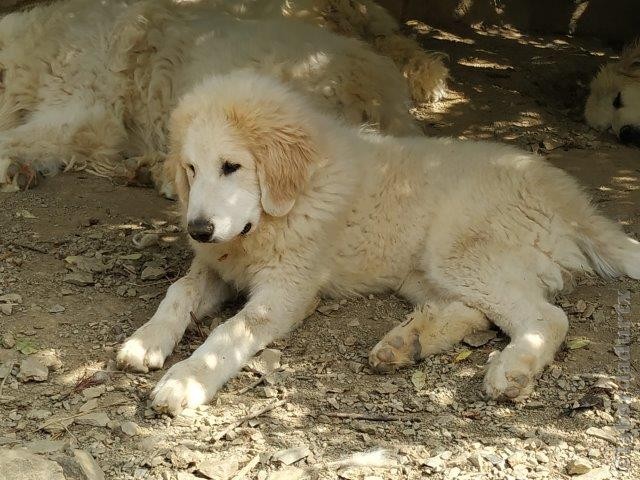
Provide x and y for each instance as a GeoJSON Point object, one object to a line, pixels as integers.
{"type": "Point", "coordinates": [609, 250]}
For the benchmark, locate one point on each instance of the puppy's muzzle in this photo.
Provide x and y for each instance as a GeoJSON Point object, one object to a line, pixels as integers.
{"type": "Point", "coordinates": [201, 230]}
{"type": "Point", "coordinates": [630, 135]}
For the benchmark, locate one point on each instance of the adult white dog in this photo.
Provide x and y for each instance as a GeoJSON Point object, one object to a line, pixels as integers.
{"type": "Point", "coordinates": [614, 98]}
{"type": "Point", "coordinates": [286, 203]}
{"type": "Point", "coordinates": [89, 85]}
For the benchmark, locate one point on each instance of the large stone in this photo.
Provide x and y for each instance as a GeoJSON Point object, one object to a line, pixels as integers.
{"type": "Point", "coordinates": [23, 465]}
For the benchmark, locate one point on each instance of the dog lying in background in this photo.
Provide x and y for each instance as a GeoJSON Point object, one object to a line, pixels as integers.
{"type": "Point", "coordinates": [286, 203]}
{"type": "Point", "coordinates": [614, 99]}
{"type": "Point", "coordinates": [89, 85]}
{"type": "Point", "coordinates": [364, 19]}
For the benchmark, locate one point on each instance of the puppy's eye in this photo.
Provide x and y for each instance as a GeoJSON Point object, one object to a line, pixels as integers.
{"type": "Point", "coordinates": [228, 168]}
{"type": "Point", "coordinates": [617, 102]}
{"type": "Point", "coordinates": [190, 169]}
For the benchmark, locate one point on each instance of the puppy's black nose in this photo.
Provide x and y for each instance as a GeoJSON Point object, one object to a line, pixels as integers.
{"type": "Point", "coordinates": [630, 135]}
{"type": "Point", "coordinates": [200, 230]}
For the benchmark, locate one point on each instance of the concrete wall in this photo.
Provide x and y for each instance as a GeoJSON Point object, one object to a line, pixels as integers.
{"type": "Point", "coordinates": [613, 21]}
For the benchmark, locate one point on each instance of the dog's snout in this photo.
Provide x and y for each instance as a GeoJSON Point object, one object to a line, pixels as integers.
{"type": "Point", "coordinates": [630, 135]}
{"type": "Point", "coordinates": [200, 230]}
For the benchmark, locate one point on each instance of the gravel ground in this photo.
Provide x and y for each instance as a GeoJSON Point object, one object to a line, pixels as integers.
{"type": "Point", "coordinates": [84, 262]}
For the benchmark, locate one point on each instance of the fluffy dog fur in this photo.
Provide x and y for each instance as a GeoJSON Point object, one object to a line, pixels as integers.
{"type": "Point", "coordinates": [425, 71]}
{"type": "Point", "coordinates": [89, 85]}
{"type": "Point", "coordinates": [614, 99]}
{"type": "Point", "coordinates": [287, 203]}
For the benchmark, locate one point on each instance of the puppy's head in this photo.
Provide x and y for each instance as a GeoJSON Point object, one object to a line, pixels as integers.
{"type": "Point", "coordinates": [240, 148]}
{"type": "Point", "coordinates": [614, 99]}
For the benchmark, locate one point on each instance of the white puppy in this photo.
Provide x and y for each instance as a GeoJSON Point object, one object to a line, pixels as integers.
{"type": "Point", "coordinates": [286, 203]}
{"type": "Point", "coordinates": [614, 99]}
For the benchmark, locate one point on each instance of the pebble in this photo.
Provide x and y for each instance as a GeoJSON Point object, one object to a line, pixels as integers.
{"type": "Point", "coordinates": [88, 465]}
{"type": "Point", "coordinates": [130, 428]}
{"type": "Point", "coordinates": [516, 458]}
{"type": "Point", "coordinates": [57, 309]}
{"type": "Point", "coordinates": [601, 473]}
{"type": "Point", "coordinates": [478, 339]}
{"type": "Point", "coordinates": [97, 419]}
{"type": "Point", "coordinates": [8, 340]}
{"type": "Point", "coordinates": [32, 369]}
{"type": "Point", "coordinates": [46, 446]}
{"type": "Point", "coordinates": [153, 273]}
{"type": "Point", "coordinates": [266, 361]}
{"type": "Point", "coordinates": [94, 392]}
{"type": "Point", "coordinates": [579, 466]}
{"type": "Point", "coordinates": [80, 279]}
{"type": "Point", "coordinates": [217, 469]}
{"type": "Point", "coordinates": [290, 456]}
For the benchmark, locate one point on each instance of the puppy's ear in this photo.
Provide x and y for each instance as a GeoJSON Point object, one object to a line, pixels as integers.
{"type": "Point", "coordinates": [630, 60]}
{"type": "Point", "coordinates": [283, 150]}
{"type": "Point", "coordinates": [178, 124]}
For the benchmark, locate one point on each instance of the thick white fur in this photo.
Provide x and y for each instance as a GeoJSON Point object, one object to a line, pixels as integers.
{"type": "Point", "coordinates": [465, 230]}
{"type": "Point", "coordinates": [89, 84]}
{"type": "Point", "coordinates": [619, 78]}
{"type": "Point", "coordinates": [425, 71]}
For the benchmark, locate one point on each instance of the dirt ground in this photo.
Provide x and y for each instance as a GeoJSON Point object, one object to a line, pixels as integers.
{"type": "Point", "coordinates": [67, 251]}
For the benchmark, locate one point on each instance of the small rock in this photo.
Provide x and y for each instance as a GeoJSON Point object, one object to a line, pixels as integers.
{"type": "Point", "coordinates": [130, 428]}
{"type": "Point", "coordinates": [267, 361]}
{"type": "Point", "coordinates": [57, 423]}
{"type": "Point", "coordinates": [270, 392]}
{"type": "Point", "coordinates": [517, 458]}
{"type": "Point", "coordinates": [49, 358]}
{"type": "Point", "coordinates": [57, 309]}
{"type": "Point", "coordinates": [153, 273]}
{"type": "Point", "coordinates": [87, 264]}
{"type": "Point", "coordinates": [605, 433]}
{"type": "Point", "coordinates": [93, 392]}
{"type": "Point", "coordinates": [6, 308]}
{"type": "Point", "coordinates": [216, 469]}
{"type": "Point", "coordinates": [97, 419]}
{"type": "Point", "coordinates": [477, 461]}
{"type": "Point", "coordinates": [32, 369]}
{"type": "Point", "coordinates": [290, 456]}
{"type": "Point", "coordinates": [387, 388]}
{"type": "Point", "coordinates": [580, 306]}
{"type": "Point", "coordinates": [11, 298]}
{"type": "Point", "coordinates": [25, 465]}
{"type": "Point", "coordinates": [601, 473]}
{"type": "Point", "coordinates": [8, 341]}
{"type": "Point", "coordinates": [46, 446]}
{"type": "Point", "coordinates": [477, 339]}
{"type": "Point", "coordinates": [81, 279]}
{"type": "Point", "coordinates": [89, 405]}
{"type": "Point", "coordinates": [88, 465]}
{"type": "Point", "coordinates": [579, 466]}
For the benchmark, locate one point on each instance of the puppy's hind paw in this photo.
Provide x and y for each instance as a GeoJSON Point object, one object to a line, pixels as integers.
{"type": "Point", "coordinates": [504, 382]}
{"type": "Point", "coordinates": [16, 176]}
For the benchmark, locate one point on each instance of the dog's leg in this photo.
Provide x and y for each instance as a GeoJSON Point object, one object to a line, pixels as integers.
{"type": "Point", "coordinates": [274, 308]}
{"type": "Point", "coordinates": [78, 137]}
{"type": "Point", "coordinates": [200, 291]}
{"type": "Point", "coordinates": [536, 331]}
{"type": "Point", "coordinates": [429, 329]}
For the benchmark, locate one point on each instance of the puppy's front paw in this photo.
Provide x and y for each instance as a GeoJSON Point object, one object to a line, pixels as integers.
{"type": "Point", "coordinates": [183, 386]}
{"type": "Point", "coordinates": [394, 351]}
{"type": "Point", "coordinates": [146, 349]}
{"type": "Point", "coordinates": [507, 379]}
